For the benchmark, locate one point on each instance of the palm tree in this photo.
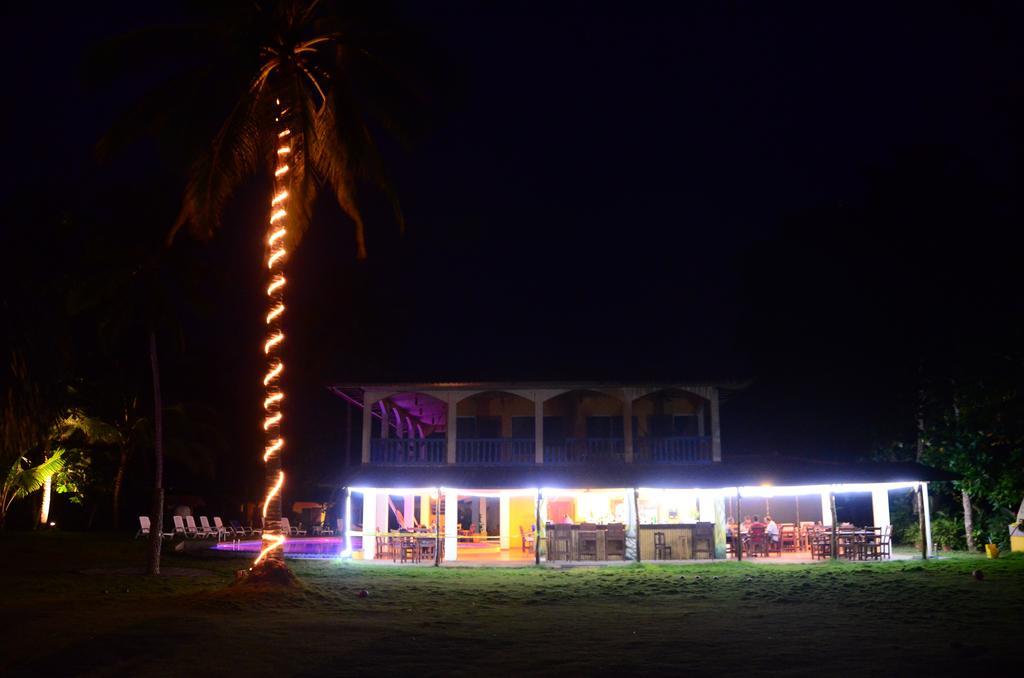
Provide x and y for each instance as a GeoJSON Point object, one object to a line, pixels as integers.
{"type": "Point", "coordinates": [22, 479]}
{"type": "Point", "coordinates": [298, 87]}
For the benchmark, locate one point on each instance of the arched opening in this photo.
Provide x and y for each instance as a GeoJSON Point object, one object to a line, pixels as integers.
{"type": "Point", "coordinates": [670, 427]}
{"type": "Point", "coordinates": [494, 427]}
{"type": "Point", "coordinates": [408, 428]}
{"type": "Point", "coordinates": [583, 426]}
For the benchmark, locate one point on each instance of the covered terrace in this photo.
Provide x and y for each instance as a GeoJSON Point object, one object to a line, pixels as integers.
{"type": "Point", "coordinates": [664, 513]}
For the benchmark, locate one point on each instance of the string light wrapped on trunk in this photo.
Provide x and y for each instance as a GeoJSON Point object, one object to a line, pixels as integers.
{"type": "Point", "coordinates": [277, 253]}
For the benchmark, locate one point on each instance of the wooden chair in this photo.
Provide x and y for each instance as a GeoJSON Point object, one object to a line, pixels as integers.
{"type": "Point", "coordinates": [788, 538]}
{"type": "Point", "coordinates": [821, 544]}
{"type": "Point", "coordinates": [662, 551]}
{"type": "Point", "coordinates": [757, 541]}
{"type": "Point", "coordinates": [587, 541]}
{"type": "Point", "coordinates": [427, 548]}
{"type": "Point", "coordinates": [885, 543]}
{"type": "Point", "coordinates": [529, 540]}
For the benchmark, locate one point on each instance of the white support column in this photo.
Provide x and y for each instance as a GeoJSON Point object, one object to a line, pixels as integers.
{"type": "Point", "coordinates": [927, 520]}
{"type": "Point", "coordinates": [383, 512]}
{"type": "Point", "coordinates": [826, 509]}
{"type": "Point", "coordinates": [483, 514]}
{"type": "Point", "coordinates": [504, 521]}
{"type": "Point", "coordinates": [409, 511]}
{"type": "Point", "coordinates": [449, 432]}
{"type": "Point", "coordinates": [367, 429]}
{"type": "Point", "coordinates": [627, 425]}
{"type": "Point", "coordinates": [632, 525]}
{"type": "Point", "coordinates": [369, 523]}
{"type": "Point", "coordinates": [451, 526]}
{"type": "Point", "coordinates": [720, 527]}
{"type": "Point", "coordinates": [538, 428]}
{"type": "Point", "coordinates": [880, 507]}
{"type": "Point", "coordinates": [716, 430]}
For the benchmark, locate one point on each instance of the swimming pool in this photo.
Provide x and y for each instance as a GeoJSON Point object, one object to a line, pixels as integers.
{"type": "Point", "coordinates": [296, 547]}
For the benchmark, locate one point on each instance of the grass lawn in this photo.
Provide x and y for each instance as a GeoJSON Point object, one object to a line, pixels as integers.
{"type": "Point", "coordinates": [723, 618]}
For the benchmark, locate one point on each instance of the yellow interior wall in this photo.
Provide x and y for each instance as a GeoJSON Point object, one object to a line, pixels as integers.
{"type": "Point", "coordinates": [522, 511]}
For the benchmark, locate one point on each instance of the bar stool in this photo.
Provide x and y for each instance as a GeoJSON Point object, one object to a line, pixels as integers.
{"type": "Point", "coordinates": [662, 551]}
{"type": "Point", "coordinates": [703, 538]}
{"type": "Point", "coordinates": [588, 542]}
{"type": "Point", "coordinates": [561, 542]}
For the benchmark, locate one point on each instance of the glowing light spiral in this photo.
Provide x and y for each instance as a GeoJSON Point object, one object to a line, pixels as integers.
{"type": "Point", "coordinates": [275, 540]}
{"type": "Point", "coordinates": [277, 232]}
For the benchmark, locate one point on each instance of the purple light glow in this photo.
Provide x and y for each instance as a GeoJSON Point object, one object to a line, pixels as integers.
{"type": "Point", "coordinates": [302, 547]}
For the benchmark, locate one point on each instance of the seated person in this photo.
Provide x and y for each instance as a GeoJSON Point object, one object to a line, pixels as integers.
{"type": "Point", "coordinates": [771, 529]}
{"type": "Point", "coordinates": [757, 525]}
{"type": "Point", "coordinates": [745, 526]}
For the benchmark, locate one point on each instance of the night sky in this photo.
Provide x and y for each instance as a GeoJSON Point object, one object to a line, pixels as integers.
{"type": "Point", "coordinates": [814, 200]}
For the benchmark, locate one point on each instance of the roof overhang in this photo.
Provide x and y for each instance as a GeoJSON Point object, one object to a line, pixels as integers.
{"type": "Point", "coordinates": [661, 476]}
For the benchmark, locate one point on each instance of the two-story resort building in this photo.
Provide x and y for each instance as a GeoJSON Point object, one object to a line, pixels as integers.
{"type": "Point", "coordinates": [569, 471]}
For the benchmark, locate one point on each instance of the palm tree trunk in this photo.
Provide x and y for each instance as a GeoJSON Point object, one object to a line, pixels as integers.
{"type": "Point", "coordinates": [44, 500]}
{"type": "Point", "coordinates": [122, 466]}
{"type": "Point", "coordinates": [276, 256]}
{"type": "Point", "coordinates": [968, 519]}
{"type": "Point", "coordinates": [157, 509]}
{"type": "Point", "coordinates": [46, 493]}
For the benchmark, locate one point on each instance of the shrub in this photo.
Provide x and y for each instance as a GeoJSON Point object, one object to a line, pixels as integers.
{"type": "Point", "coordinates": [948, 533]}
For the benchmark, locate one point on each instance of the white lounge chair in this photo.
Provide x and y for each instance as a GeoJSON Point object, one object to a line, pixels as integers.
{"type": "Point", "coordinates": [286, 528]}
{"type": "Point", "coordinates": [325, 529]}
{"type": "Point", "coordinates": [239, 530]}
{"type": "Point", "coordinates": [205, 528]}
{"type": "Point", "coordinates": [144, 526]}
{"type": "Point", "coordinates": [190, 528]}
{"type": "Point", "coordinates": [179, 527]}
{"type": "Point", "coordinates": [223, 532]}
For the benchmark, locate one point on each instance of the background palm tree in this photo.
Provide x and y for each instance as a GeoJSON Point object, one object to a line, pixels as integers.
{"type": "Point", "coordinates": [22, 479]}
{"type": "Point", "coordinates": [295, 90]}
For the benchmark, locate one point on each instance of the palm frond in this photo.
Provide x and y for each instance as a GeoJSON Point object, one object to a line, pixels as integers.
{"type": "Point", "coordinates": [28, 480]}
{"type": "Point", "coordinates": [94, 429]}
{"type": "Point", "coordinates": [234, 154]}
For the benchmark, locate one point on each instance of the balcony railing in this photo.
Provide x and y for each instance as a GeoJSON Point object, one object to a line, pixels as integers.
{"type": "Point", "coordinates": [675, 450]}
{"type": "Point", "coordinates": [585, 451]}
{"type": "Point", "coordinates": [407, 451]}
{"type": "Point", "coordinates": [520, 451]}
{"type": "Point", "coordinates": [495, 451]}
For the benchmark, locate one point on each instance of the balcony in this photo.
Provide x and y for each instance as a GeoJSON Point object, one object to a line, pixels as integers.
{"type": "Point", "coordinates": [495, 451]}
{"type": "Point", "coordinates": [681, 450]}
{"type": "Point", "coordinates": [407, 451]}
{"type": "Point", "coordinates": [673, 450]}
{"type": "Point", "coordinates": [585, 451]}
